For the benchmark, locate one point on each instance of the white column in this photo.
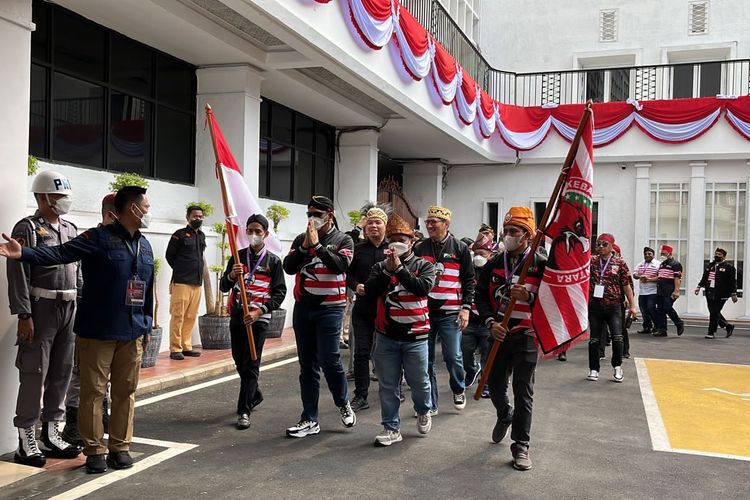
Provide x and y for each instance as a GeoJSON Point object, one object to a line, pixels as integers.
{"type": "Point", "coordinates": [356, 179]}
{"type": "Point", "coordinates": [642, 212]}
{"type": "Point", "coordinates": [15, 57]}
{"type": "Point", "coordinates": [696, 304]}
{"type": "Point", "coordinates": [423, 186]}
{"type": "Point", "coordinates": [745, 296]}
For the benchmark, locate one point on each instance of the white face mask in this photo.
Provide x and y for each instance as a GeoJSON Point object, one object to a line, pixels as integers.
{"type": "Point", "coordinates": [61, 206]}
{"type": "Point", "coordinates": [479, 260]}
{"type": "Point", "coordinates": [318, 221]}
{"type": "Point", "coordinates": [145, 217]}
{"type": "Point", "coordinates": [398, 248]}
{"type": "Point", "coordinates": [512, 243]}
{"type": "Point", "coordinates": [254, 239]}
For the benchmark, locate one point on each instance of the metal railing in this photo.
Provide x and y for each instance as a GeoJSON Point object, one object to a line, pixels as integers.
{"type": "Point", "coordinates": [643, 83]}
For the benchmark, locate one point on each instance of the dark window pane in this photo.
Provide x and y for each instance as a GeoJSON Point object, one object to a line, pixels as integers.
{"type": "Point", "coordinates": [175, 83]}
{"type": "Point", "coordinates": [132, 66]}
{"type": "Point", "coordinates": [492, 209]}
{"type": "Point", "coordinates": [324, 177]}
{"type": "Point", "coordinates": [174, 152]}
{"type": "Point", "coordinates": [595, 85]}
{"type": "Point", "coordinates": [710, 79]}
{"type": "Point", "coordinates": [264, 110]}
{"type": "Point", "coordinates": [281, 172]}
{"type": "Point", "coordinates": [263, 156]}
{"type": "Point", "coordinates": [79, 45]}
{"type": "Point", "coordinates": [130, 135]}
{"type": "Point", "coordinates": [303, 177]}
{"type": "Point", "coordinates": [305, 135]}
{"type": "Point", "coordinates": [281, 124]}
{"type": "Point", "coordinates": [619, 85]}
{"type": "Point", "coordinates": [40, 36]}
{"type": "Point", "coordinates": [323, 140]}
{"type": "Point", "coordinates": [682, 81]}
{"type": "Point", "coordinates": [77, 121]}
{"type": "Point", "coordinates": [38, 112]}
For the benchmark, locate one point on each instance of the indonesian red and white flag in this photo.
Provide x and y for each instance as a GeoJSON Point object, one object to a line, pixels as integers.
{"type": "Point", "coordinates": [241, 201]}
{"type": "Point", "coordinates": [560, 315]}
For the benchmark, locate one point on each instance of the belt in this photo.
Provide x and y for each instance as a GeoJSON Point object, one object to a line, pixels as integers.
{"type": "Point", "coordinates": [64, 295]}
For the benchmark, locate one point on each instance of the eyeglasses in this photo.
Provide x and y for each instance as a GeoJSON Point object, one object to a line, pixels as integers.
{"type": "Point", "coordinates": [432, 222]}
{"type": "Point", "coordinates": [316, 214]}
{"type": "Point", "coordinates": [602, 243]}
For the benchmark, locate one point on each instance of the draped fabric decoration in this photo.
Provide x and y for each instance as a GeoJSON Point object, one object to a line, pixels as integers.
{"type": "Point", "coordinates": [524, 128]}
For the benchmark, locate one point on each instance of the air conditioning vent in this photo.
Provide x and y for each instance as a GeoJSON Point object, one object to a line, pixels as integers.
{"type": "Point", "coordinates": [608, 25]}
{"type": "Point", "coordinates": [698, 18]}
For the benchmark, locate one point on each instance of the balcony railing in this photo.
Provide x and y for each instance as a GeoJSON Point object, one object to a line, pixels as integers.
{"type": "Point", "coordinates": [661, 81]}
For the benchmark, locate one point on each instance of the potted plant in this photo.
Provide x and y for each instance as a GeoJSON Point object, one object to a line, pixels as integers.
{"type": "Point", "coordinates": [276, 213]}
{"type": "Point", "coordinates": [32, 166]}
{"type": "Point", "coordinates": [152, 349]}
{"type": "Point", "coordinates": [213, 326]}
{"type": "Point", "coordinates": [127, 179]}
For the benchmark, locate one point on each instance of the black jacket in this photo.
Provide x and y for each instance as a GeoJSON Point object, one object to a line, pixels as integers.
{"type": "Point", "coordinates": [366, 255]}
{"type": "Point", "coordinates": [266, 289]}
{"type": "Point", "coordinates": [725, 281]}
{"type": "Point", "coordinates": [185, 256]}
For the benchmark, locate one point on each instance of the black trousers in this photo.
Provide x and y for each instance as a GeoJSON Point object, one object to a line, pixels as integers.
{"type": "Point", "coordinates": [517, 357]}
{"type": "Point", "coordinates": [716, 319]}
{"type": "Point", "coordinates": [364, 330]}
{"type": "Point", "coordinates": [250, 395]}
{"type": "Point", "coordinates": [599, 316]}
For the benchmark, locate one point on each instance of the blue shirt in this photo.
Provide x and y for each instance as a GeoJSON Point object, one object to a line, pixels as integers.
{"type": "Point", "coordinates": [109, 256]}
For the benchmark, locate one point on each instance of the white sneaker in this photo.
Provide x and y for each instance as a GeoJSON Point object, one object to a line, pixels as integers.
{"type": "Point", "coordinates": [424, 423]}
{"type": "Point", "coordinates": [432, 413]}
{"type": "Point", "coordinates": [459, 401]}
{"type": "Point", "coordinates": [618, 376]}
{"type": "Point", "coordinates": [593, 376]}
{"type": "Point", "coordinates": [388, 437]}
{"type": "Point", "coordinates": [348, 417]}
{"type": "Point", "coordinates": [303, 428]}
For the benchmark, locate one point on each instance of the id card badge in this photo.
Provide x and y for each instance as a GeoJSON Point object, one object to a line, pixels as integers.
{"type": "Point", "coordinates": [136, 293]}
{"type": "Point", "coordinates": [598, 291]}
{"type": "Point", "coordinates": [711, 283]}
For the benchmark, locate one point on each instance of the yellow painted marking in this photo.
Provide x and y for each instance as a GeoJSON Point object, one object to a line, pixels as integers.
{"type": "Point", "coordinates": [704, 406]}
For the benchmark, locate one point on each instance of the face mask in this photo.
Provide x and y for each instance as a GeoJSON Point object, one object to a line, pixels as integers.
{"type": "Point", "coordinates": [398, 248]}
{"type": "Point", "coordinates": [254, 239]}
{"type": "Point", "coordinates": [512, 242]}
{"type": "Point", "coordinates": [664, 256]}
{"type": "Point", "coordinates": [479, 260]}
{"type": "Point", "coordinates": [145, 217]}
{"type": "Point", "coordinates": [196, 223]}
{"type": "Point", "coordinates": [318, 221]}
{"type": "Point", "coordinates": [718, 259]}
{"type": "Point", "coordinates": [61, 206]}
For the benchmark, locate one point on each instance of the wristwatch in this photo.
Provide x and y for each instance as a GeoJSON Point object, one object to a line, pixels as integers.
{"type": "Point", "coordinates": [24, 316]}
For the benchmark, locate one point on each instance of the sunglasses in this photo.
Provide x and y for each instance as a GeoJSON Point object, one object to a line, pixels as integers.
{"type": "Point", "coordinates": [316, 214]}
{"type": "Point", "coordinates": [432, 222]}
{"type": "Point", "coordinates": [602, 243]}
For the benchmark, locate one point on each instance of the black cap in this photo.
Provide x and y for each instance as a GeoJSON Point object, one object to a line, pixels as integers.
{"type": "Point", "coordinates": [260, 219]}
{"type": "Point", "coordinates": [321, 203]}
{"type": "Point", "coordinates": [648, 249]}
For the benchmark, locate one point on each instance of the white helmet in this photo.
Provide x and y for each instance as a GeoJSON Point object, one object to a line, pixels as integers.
{"type": "Point", "coordinates": [51, 182]}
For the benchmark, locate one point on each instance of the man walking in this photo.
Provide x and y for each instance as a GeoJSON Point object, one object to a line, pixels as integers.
{"type": "Point", "coordinates": [450, 300]}
{"type": "Point", "coordinates": [113, 321]}
{"type": "Point", "coordinates": [646, 272]}
{"type": "Point", "coordinates": [185, 257]}
{"type": "Point", "coordinates": [44, 298]}
{"type": "Point", "coordinates": [720, 281]}
{"type": "Point", "coordinates": [319, 258]}
{"type": "Point", "coordinates": [669, 280]}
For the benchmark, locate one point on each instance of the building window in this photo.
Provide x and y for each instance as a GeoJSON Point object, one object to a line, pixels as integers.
{"type": "Point", "coordinates": [492, 215]}
{"type": "Point", "coordinates": [669, 219]}
{"type": "Point", "coordinates": [725, 223]}
{"type": "Point", "coordinates": [696, 80]}
{"type": "Point", "coordinates": [296, 157]}
{"type": "Point", "coordinates": [102, 100]}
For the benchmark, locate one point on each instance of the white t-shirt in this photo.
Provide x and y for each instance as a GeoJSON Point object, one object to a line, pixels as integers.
{"type": "Point", "coordinates": [650, 270]}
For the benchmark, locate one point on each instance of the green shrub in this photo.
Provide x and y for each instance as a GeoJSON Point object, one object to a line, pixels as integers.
{"type": "Point", "coordinates": [127, 179]}
{"type": "Point", "coordinates": [277, 213]}
{"type": "Point", "coordinates": [207, 208]}
{"type": "Point", "coordinates": [32, 166]}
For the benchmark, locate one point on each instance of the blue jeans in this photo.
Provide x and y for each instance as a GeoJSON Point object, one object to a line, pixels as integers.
{"type": "Point", "coordinates": [391, 357]}
{"type": "Point", "coordinates": [474, 337]}
{"type": "Point", "coordinates": [446, 327]}
{"type": "Point", "coordinates": [647, 305]}
{"type": "Point", "coordinates": [317, 330]}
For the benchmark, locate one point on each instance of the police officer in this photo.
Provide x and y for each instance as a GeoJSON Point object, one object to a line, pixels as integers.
{"type": "Point", "coordinates": [44, 298]}
{"type": "Point", "coordinates": [113, 322]}
{"type": "Point", "coordinates": [185, 257]}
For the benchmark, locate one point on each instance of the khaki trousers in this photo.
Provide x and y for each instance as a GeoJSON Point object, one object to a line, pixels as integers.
{"type": "Point", "coordinates": [184, 310]}
{"type": "Point", "coordinates": [98, 362]}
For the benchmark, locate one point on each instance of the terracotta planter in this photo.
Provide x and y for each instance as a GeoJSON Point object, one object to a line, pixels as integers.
{"type": "Point", "coordinates": [214, 332]}
{"type": "Point", "coordinates": [152, 349]}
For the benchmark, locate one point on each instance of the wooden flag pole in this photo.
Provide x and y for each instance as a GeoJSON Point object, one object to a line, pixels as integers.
{"type": "Point", "coordinates": [232, 238]}
{"type": "Point", "coordinates": [487, 369]}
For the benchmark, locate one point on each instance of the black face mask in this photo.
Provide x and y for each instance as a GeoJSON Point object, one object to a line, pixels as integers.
{"type": "Point", "coordinates": [196, 223]}
{"type": "Point", "coordinates": [718, 259]}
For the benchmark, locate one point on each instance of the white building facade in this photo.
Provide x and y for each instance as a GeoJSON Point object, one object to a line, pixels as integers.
{"type": "Point", "coordinates": [107, 86]}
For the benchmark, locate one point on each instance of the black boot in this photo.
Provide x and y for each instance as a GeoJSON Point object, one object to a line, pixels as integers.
{"type": "Point", "coordinates": [105, 415]}
{"type": "Point", "coordinates": [71, 434]}
{"type": "Point", "coordinates": [56, 446]}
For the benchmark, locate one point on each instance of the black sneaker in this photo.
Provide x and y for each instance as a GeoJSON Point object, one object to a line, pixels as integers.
{"type": "Point", "coordinates": [644, 331]}
{"type": "Point", "coordinates": [257, 401]}
{"type": "Point", "coordinates": [459, 401]}
{"type": "Point", "coordinates": [626, 355]}
{"type": "Point", "coordinates": [486, 392]}
{"type": "Point", "coordinates": [96, 464]}
{"type": "Point", "coordinates": [71, 433]}
{"type": "Point", "coordinates": [303, 428]}
{"type": "Point", "coordinates": [500, 430]}
{"type": "Point", "coordinates": [360, 403]}
{"type": "Point", "coordinates": [192, 354]}
{"type": "Point", "coordinates": [730, 330]}
{"type": "Point", "coordinates": [176, 356]}
{"type": "Point", "coordinates": [709, 336]}
{"type": "Point", "coordinates": [119, 460]}
{"type": "Point", "coordinates": [659, 334]}
{"type": "Point", "coordinates": [348, 417]}
{"type": "Point", "coordinates": [680, 329]}
{"type": "Point", "coordinates": [521, 460]}
{"type": "Point", "coordinates": [562, 356]}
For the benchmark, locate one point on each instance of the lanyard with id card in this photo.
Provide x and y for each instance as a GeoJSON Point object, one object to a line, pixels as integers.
{"type": "Point", "coordinates": [599, 287]}
{"type": "Point", "coordinates": [135, 294]}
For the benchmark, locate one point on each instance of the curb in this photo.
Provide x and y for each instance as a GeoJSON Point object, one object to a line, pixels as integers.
{"type": "Point", "coordinates": [207, 371]}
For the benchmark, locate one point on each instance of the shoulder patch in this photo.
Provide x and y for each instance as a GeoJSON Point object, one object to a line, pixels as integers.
{"type": "Point", "coordinates": [21, 239]}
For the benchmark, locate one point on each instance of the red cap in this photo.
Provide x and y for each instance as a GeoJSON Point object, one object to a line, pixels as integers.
{"type": "Point", "coordinates": [606, 237]}
{"type": "Point", "coordinates": [667, 248]}
{"type": "Point", "coordinates": [616, 248]}
{"type": "Point", "coordinates": [109, 199]}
